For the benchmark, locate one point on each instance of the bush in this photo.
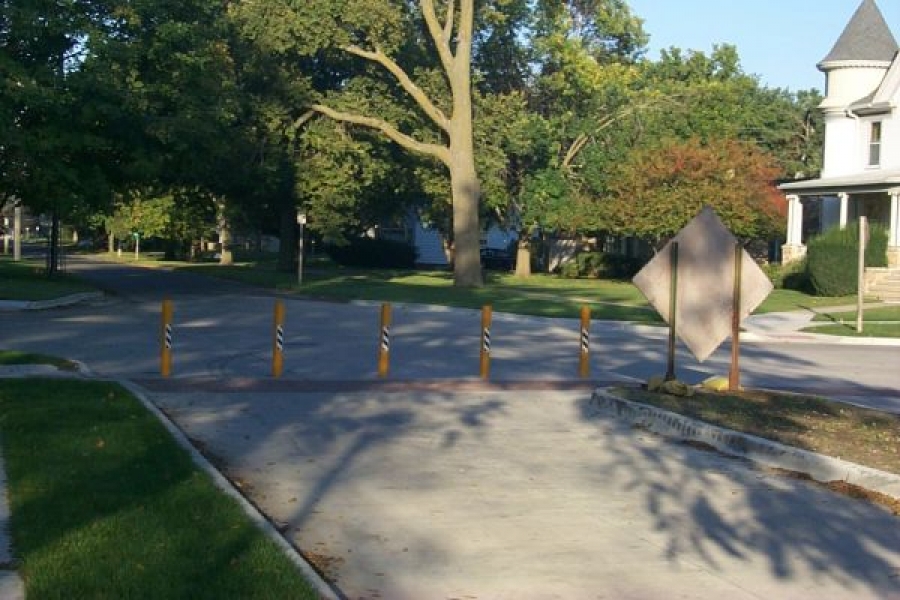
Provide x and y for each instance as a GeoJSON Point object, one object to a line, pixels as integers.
{"type": "Point", "coordinates": [832, 259]}
{"type": "Point", "coordinates": [373, 253]}
{"type": "Point", "coordinates": [601, 265]}
{"type": "Point", "coordinates": [792, 276]}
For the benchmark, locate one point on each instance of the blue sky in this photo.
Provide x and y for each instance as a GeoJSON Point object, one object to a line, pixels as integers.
{"type": "Point", "coordinates": [779, 40]}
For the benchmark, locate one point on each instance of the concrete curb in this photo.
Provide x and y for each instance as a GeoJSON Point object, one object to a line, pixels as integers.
{"type": "Point", "coordinates": [52, 303]}
{"type": "Point", "coordinates": [11, 585]}
{"type": "Point", "coordinates": [323, 588]}
{"type": "Point", "coordinates": [772, 454]}
{"type": "Point", "coordinates": [801, 337]}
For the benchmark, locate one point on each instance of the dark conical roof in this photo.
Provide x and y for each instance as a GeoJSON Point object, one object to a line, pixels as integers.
{"type": "Point", "coordinates": [866, 37]}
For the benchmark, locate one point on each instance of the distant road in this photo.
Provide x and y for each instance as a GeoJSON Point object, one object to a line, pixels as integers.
{"type": "Point", "coordinates": [137, 283]}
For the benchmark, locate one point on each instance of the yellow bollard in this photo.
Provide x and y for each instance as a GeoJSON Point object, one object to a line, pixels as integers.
{"type": "Point", "coordinates": [384, 344]}
{"type": "Point", "coordinates": [584, 361]}
{"type": "Point", "coordinates": [278, 340]}
{"type": "Point", "coordinates": [165, 339]}
{"type": "Point", "coordinates": [486, 312]}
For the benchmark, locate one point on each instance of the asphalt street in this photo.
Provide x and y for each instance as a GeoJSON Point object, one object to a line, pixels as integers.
{"type": "Point", "coordinates": [224, 330]}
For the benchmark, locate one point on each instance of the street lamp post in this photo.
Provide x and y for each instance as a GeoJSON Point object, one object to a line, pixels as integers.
{"type": "Point", "coordinates": [17, 232]}
{"type": "Point", "coordinates": [301, 221]}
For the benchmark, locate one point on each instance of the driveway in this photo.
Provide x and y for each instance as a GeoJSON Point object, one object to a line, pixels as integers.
{"type": "Point", "coordinates": [523, 495]}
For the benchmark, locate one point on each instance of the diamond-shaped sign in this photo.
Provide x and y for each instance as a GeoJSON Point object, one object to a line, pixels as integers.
{"type": "Point", "coordinates": [704, 298]}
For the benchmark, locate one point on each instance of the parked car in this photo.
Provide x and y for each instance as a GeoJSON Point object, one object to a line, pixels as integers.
{"type": "Point", "coordinates": [498, 259]}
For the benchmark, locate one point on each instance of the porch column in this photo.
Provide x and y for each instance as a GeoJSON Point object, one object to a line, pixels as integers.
{"type": "Point", "coordinates": [794, 249]}
{"type": "Point", "coordinates": [845, 201]}
{"type": "Point", "coordinates": [894, 230]}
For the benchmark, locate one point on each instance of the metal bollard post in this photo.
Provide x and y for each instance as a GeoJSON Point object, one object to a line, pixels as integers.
{"type": "Point", "coordinates": [485, 367]}
{"type": "Point", "coordinates": [384, 344]}
{"type": "Point", "coordinates": [166, 339]}
{"type": "Point", "coordinates": [278, 341]}
{"type": "Point", "coordinates": [584, 360]}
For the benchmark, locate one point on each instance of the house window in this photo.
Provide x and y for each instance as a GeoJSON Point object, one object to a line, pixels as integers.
{"type": "Point", "coordinates": [875, 144]}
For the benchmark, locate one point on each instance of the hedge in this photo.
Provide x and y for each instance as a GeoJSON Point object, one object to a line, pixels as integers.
{"type": "Point", "coordinates": [833, 259]}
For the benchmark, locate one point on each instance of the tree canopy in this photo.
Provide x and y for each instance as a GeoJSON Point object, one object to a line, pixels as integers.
{"type": "Point", "coordinates": [528, 113]}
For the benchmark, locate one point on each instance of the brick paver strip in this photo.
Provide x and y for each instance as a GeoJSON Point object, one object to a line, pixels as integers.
{"type": "Point", "coordinates": [241, 385]}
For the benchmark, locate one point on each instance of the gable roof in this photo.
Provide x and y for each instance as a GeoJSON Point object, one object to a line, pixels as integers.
{"type": "Point", "coordinates": [866, 37]}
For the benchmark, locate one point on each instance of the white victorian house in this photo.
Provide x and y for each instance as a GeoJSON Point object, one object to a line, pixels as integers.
{"type": "Point", "coordinates": [861, 168]}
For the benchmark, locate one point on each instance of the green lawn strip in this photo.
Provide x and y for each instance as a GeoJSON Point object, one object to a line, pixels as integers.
{"type": "Point", "coordinates": [12, 357]}
{"type": "Point", "coordinates": [867, 437]}
{"type": "Point", "coordinates": [540, 294]}
{"type": "Point", "coordinates": [880, 313]}
{"type": "Point", "coordinates": [872, 330]}
{"type": "Point", "coordinates": [106, 505]}
{"type": "Point", "coordinates": [26, 280]}
{"type": "Point", "coordinates": [790, 300]}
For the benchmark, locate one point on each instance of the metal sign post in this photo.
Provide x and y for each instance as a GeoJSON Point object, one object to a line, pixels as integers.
{"type": "Point", "coordinates": [861, 275]}
{"type": "Point", "coordinates": [673, 306]}
{"type": "Point", "coordinates": [734, 373]}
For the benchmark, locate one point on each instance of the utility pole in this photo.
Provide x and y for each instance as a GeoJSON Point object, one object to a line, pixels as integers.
{"type": "Point", "coordinates": [17, 231]}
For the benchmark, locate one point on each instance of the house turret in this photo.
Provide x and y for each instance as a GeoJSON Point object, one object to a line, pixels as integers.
{"type": "Point", "coordinates": [859, 59]}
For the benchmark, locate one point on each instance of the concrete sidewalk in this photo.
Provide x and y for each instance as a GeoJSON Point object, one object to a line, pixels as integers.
{"type": "Point", "coordinates": [529, 495]}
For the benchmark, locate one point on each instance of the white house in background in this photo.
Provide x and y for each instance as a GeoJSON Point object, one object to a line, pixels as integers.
{"type": "Point", "coordinates": [861, 169]}
{"type": "Point", "coordinates": [429, 242]}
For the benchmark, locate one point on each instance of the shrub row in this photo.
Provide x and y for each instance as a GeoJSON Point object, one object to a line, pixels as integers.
{"type": "Point", "coordinates": [832, 262]}
{"type": "Point", "coordinates": [601, 265]}
{"type": "Point", "coordinates": [371, 253]}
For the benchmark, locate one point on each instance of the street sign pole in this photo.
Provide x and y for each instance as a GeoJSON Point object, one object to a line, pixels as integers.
{"type": "Point", "coordinates": [734, 374]}
{"type": "Point", "coordinates": [673, 306]}
{"type": "Point", "coordinates": [861, 275]}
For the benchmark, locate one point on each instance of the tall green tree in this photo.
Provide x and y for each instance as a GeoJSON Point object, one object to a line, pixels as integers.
{"type": "Point", "coordinates": [383, 34]}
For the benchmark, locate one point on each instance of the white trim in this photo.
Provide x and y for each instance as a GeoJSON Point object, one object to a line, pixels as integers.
{"type": "Point", "coordinates": [894, 224]}
{"type": "Point", "coordinates": [845, 202]}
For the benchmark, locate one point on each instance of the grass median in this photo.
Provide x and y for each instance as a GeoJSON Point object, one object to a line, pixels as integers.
{"type": "Point", "coordinates": [106, 505]}
{"type": "Point", "coordinates": [538, 295]}
{"type": "Point", "coordinates": [26, 280]}
{"type": "Point", "coordinates": [864, 436]}
{"type": "Point", "coordinates": [877, 322]}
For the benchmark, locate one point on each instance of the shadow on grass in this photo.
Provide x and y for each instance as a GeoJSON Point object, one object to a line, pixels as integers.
{"type": "Point", "coordinates": [105, 504]}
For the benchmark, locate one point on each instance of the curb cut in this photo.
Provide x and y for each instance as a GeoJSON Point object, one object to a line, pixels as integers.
{"type": "Point", "coordinates": [772, 454]}
{"type": "Point", "coordinates": [322, 587]}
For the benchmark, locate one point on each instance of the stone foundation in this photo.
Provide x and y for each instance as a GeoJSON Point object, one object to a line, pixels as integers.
{"type": "Point", "coordinates": [792, 253]}
{"type": "Point", "coordinates": [893, 256]}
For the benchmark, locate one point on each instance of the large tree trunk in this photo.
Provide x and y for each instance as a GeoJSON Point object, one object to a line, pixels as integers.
{"type": "Point", "coordinates": [287, 230]}
{"type": "Point", "coordinates": [463, 176]}
{"type": "Point", "coordinates": [226, 257]}
{"type": "Point", "coordinates": [466, 230]}
{"type": "Point", "coordinates": [523, 255]}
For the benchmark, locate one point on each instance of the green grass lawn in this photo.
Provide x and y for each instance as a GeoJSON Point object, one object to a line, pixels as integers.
{"type": "Point", "coordinates": [879, 313]}
{"type": "Point", "coordinates": [12, 357]}
{"type": "Point", "coordinates": [106, 505]}
{"type": "Point", "coordinates": [882, 321]}
{"type": "Point", "coordinates": [26, 280]}
{"type": "Point", "coordinates": [541, 294]}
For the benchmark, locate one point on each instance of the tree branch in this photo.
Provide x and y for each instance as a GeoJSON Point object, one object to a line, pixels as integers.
{"type": "Point", "coordinates": [466, 25]}
{"type": "Point", "coordinates": [433, 112]}
{"type": "Point", "coordinates": [577, 145]}
{"type": "Point", "coordinates": [408, 142]}
{"type": "Point", "coordinates": [448, 22]}
{"type": "Point", "coordinates": [441, 41]}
